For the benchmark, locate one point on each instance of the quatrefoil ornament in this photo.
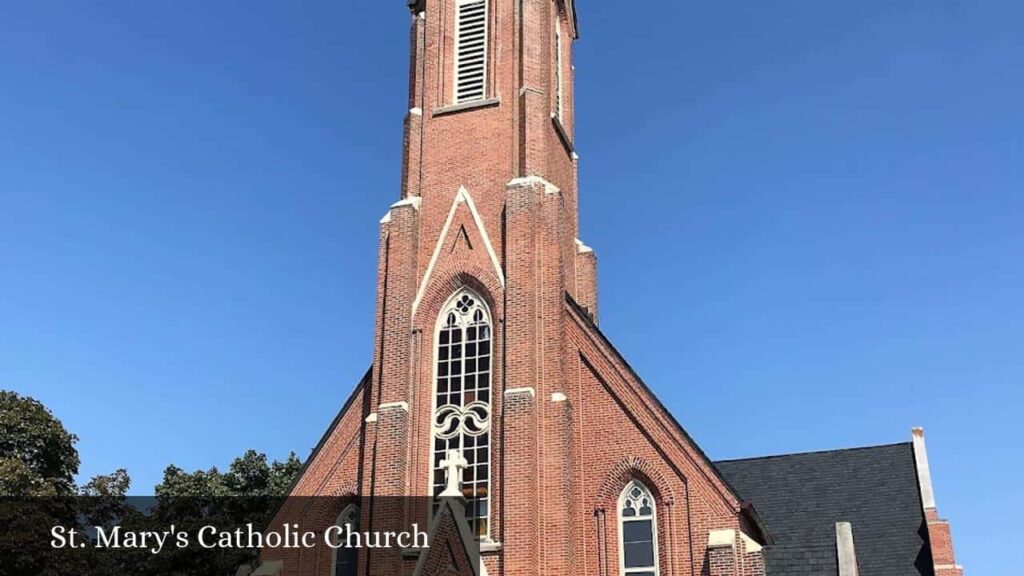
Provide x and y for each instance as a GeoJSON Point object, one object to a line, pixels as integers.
{"type": "Point", "coordinates": [472, 420]}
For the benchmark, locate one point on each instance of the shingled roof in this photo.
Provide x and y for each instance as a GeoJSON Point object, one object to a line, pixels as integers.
{"type": "Point", "coordinates": [801, 497]}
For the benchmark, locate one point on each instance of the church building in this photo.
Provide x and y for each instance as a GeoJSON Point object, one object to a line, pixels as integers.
{"type": "Point", "coordinates": [495, 398]}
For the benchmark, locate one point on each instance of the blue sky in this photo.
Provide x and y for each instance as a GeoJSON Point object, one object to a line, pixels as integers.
{"type": "Point", "coordinates": [809, 217]}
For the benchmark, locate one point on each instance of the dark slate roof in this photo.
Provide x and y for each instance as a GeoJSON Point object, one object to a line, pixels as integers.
{"type": "Point", "coordinates": [812, 560]}
{"type": "Point", "coordinates": [801, 497]}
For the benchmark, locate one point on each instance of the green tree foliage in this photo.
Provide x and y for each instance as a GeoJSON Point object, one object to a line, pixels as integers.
{"type": "Point", "coordinates": [114, 485]}
{"type": "Point", "coordinates": [38, 464]}
{"type": "Point", "coordinates": [37, 454]}
{"type": "Point", "coordinates": [249, 475]}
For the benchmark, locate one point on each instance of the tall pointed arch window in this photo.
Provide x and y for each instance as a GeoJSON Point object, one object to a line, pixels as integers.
{"type": "Point", "coordinates": [344, 559]}
{"type": "Point", "coordinates": [462, 402]}
{"type": "Point", "coordinates": [638, 531]}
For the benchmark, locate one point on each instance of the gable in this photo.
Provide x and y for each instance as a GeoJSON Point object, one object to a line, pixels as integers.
{"type": "Point", "coordinates": [463, 240]}
{"type": "Point", "coordinates": [641, 410]}
{"type": "Point", "coordinates": [452, 551]}
{"type": "Point", "coordinates": [332, 467]}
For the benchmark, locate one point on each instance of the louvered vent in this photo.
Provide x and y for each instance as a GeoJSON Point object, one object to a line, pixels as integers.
{"type": "Point", "coordinates": [559, 94]}
{"type": "Point", "coordinates": [471, 51]}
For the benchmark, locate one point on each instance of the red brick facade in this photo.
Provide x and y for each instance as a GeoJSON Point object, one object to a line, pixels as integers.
{"type": "Point", "coordinates": [489, 202]}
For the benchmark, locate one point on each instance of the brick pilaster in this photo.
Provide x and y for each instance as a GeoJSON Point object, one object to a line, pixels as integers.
{"type": "Point", "coordinates": [521, 520]}
{"type": "Point", "coordinates": [721, 557]}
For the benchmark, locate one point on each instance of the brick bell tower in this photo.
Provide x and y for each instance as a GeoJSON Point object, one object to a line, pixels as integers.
{"type": "Point", "coordinates": [476, 259]}
{"type": "Point", "coordinates": [488, 364]}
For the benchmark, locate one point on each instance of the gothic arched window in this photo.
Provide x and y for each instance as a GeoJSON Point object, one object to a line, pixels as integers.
{"type": "Point", "coordinates": [462, 402]}
{"type": "Point", "coordinates": [345, 558]}
{"type": "Point", "coordinates": [638, 531]}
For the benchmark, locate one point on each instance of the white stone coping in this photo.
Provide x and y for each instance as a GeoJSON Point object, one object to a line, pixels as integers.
{"type": "Point", "coordinates": [722, 539]}
{"type": "Point", "coordinates": [517, 391]}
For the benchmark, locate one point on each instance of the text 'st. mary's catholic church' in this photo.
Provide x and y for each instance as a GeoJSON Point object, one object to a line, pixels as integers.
{"type": "Point", "coordinates": [492, 382]}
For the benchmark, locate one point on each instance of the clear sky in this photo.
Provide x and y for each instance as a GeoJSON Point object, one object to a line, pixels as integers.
{"type": "Point", "coordinates": [809, 218]}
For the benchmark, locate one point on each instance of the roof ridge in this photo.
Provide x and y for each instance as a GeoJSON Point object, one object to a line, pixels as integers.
{"type": "Point", "coordinates": [814, 452]}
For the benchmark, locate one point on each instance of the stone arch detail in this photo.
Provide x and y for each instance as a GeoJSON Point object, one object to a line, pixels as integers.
{"type": "Point", "coordinates": [449, 280]}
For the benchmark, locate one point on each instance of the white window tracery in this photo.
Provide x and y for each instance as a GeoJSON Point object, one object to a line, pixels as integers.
{"type": "Point", "coordinates": [462, 402]}
{"type": "Point", "coordinates": [638, 531]}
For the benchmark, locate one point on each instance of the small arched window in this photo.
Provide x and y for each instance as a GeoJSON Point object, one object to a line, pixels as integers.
{"type": "Point", "coordinates": [638, 531]}
{"type": "Point", "coordinates": [462, 402]}
{"type": "Point", "coordinates": [345, 558]}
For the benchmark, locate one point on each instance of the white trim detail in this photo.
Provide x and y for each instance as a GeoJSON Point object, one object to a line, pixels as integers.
{"type": "Point", "coordinates": [924, 474]}
{"type": "Point", "coordinates": [634, 497]}
{"type": "Point", "coordinates": [582, 248]}
{"type": "Point", "coordinates": [722, 539]}
{"type": "Point", "coordinates": [458, 512]}
{"type": "Point", "coordinates": [372, 418]}
{"type": "Point", "coordinates": [846, 551]}
{"type": "Point", "coordinates": [749, 544]}
{"type": "Point", "coordinates": [400, 405]}
{"type": "Point", "coordinates": [489, 546]}
{"type": "Point", "coordinates": [559, 397]}
{"type": "Point", "coordinates": [515, 391]}
{"type": "Point", "coordinates": [460, 198]}
{"type": "Point", "coordinates": [416, 111]}
{"type": "Point", "coordinates": [463, 426]}
{"type": "Point", "coordinates": [534, 181]}
{"type": "Point", "coordinates": [414, 201]}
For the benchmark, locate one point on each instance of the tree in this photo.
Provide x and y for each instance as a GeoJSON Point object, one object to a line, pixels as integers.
{"type": "Point", "coordinates": [37, 454]}
{"type": "Point", "coordinates": [114, 485]}
{"type": "Point", "coordinates": [248, 475]}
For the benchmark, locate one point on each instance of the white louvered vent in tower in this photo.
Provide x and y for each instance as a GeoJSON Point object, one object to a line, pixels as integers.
{"type": "Point", "coordinates": [470, 50]}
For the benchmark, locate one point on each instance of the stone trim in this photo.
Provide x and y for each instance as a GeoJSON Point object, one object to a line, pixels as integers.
{"type": "Point", "coordinates": [527, 181]}
{"type": "Point", "coordinates": [517, 391]}
{"type": "Point", "coordinates": [845, 549]}
{"type": "Point", "coordinates": [462, 197]}
{"type": "Point", "coordinates": [722, 539]}
{"type": "Point", "coordinates": [466, 107]}
{"type": "Point", "coordinates": [563, 135]}
{"type": "Point", "coordinates": [924, 474]}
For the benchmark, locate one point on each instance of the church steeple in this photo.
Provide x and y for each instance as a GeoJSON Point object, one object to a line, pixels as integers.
{"type": "Point", "coordinates": [491, 99]}
{"type": "Point", "coordinates": [477, 259]}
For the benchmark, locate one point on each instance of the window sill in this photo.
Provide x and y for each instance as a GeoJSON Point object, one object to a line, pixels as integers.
{"type": "Point", "coordinates": [486, 547]}
{"type": "Point", "coordinates": [563, 135]}
{"type": "Point", "coordinates": [490, 547]}
{"type": "Point", "coordinates": [466, 107]}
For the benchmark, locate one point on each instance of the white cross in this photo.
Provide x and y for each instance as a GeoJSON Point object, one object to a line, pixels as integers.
{"type": "Point", "coordinates": [454, 465]}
